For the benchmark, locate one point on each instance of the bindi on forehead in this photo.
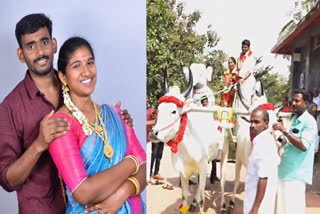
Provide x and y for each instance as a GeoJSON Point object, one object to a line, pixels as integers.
{"type": "Point", "coordinates": [77, 60]}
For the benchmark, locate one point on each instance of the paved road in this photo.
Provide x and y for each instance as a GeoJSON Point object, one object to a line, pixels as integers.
{"type": "Point", "coordinates": [161, 201]}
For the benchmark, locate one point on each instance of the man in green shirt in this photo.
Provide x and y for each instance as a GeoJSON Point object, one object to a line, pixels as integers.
{"type": "Point", "coordinates": [296, 167]}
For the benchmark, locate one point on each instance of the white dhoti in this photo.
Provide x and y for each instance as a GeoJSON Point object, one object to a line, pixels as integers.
{"type": "Point", "coordinates": [291, 197]}
{"type": "Point", "coordinates": [247, 90]}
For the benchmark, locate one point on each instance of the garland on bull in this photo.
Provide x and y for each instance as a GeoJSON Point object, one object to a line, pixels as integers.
{"type": "Point", "coordinates": [183, 124]}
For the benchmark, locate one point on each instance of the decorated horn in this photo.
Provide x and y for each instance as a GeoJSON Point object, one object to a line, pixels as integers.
{"type": "Point", "coordinates": [190, 85]}
{"type": "Point", "coordinates": [262, 87]}
{"type": "Point", "coordinates": [165, 82]}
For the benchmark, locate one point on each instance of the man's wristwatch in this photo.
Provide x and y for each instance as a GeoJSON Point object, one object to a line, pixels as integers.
{"type": "Point", "coordinates": [285, 133]}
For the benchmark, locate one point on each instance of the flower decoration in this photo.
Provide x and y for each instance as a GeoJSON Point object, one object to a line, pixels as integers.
{"type": "Point", "coordinates": [75, 111]}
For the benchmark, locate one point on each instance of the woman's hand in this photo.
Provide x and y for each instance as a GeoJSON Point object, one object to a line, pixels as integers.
{"type": "Point", "coordinates": [114, 202]}
{"type": "Point", "coordinates": [110, 205]}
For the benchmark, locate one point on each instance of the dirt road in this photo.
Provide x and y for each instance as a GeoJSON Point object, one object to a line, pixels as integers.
{"type": "Point", "coordinates": [162, 201]}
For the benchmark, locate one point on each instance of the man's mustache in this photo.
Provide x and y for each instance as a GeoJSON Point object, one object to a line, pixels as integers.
{"type": "Point", "coordinates": [40, 58]}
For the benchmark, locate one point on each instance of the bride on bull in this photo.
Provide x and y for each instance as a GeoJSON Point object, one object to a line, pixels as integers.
{"type": "Point", "coordinates": [230, 77]}
{"type": "Point", "coordinates": [245, 66]}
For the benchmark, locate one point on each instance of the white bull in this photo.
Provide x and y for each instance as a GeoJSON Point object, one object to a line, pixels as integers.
{"type": "Point", "coordinates": [201, 76]}
{"type": "Point", "coordinates": [193, 146]}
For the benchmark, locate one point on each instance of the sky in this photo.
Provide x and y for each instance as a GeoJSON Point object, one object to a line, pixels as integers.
{"type": "Point", "coordinates": [258, 21]}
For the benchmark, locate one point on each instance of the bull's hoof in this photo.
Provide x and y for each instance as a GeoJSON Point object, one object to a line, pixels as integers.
{"type": "Point", "coordinates": [192, 208]}
{"type": "Point", "coordinates": [223, 209]}
{"type": "Point", "coordinates": [231, 205]}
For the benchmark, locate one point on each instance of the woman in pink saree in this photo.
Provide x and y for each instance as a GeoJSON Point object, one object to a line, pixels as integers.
{"type": "Point", "coordinates": [99, 159]}
{"type": "Point", "coordinates": [230, 77]}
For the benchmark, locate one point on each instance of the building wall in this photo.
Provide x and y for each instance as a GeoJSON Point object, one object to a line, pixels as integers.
{"type": "Point", "coordinates": [309, 65]}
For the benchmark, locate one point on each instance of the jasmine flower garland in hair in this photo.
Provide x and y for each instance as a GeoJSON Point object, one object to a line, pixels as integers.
{"type": "Point", "coordinates": [75, 111]}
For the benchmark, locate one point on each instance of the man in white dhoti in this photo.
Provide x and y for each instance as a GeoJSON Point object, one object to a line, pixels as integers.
{"type": "Point", "coordinates": [296, 167]}
{"type": "Point", "coordinates": [245, 66]}
{"type": "Point", "coordinates": [262, 173]}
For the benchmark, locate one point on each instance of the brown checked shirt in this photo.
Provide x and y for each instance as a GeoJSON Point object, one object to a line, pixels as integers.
{"type": "Point", "coordinates": [20, 115]}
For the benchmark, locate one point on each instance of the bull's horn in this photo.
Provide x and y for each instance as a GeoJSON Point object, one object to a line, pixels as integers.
{"type": "Point", "coordinates": [165, 82]}
{"type": "Point", "coordinates": [262, 87]}
{"type": "Point", "coordinates": [190, 85]}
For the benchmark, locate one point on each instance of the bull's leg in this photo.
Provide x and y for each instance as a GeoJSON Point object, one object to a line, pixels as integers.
{"type": "Point", "coordinates": [223, 165]}
{"type": "Point", "coordinates": [202, 185]}
{"type": "Point", "coordinates": [236, 183]}
{"type": "Point", "coordinates": [195, 201]}
{"type": "Point", "coordinates": [185, 192]}
{"type": "Point", "coordinates": [213, 174]}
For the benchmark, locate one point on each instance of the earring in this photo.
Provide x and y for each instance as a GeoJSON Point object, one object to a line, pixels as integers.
{"type": "Point", "coordinates": [65, 88]}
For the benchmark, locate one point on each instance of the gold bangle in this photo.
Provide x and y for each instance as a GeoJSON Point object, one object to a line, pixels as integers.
{"type": "Point", "coordinates": [135, 161]}
{"type": "Point", "coordinates": [136, 184]}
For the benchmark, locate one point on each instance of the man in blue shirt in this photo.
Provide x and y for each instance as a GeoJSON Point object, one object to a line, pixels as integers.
{"type": "Point", "coordinates": [296, 167]}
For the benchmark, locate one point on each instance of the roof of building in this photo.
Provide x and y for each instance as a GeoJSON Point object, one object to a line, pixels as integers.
{"type": "Point", "coordinates": [296, 31]}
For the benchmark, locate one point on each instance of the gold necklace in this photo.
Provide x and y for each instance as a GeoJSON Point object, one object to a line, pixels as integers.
{"type": "Point", "coordinates": [108, 150]}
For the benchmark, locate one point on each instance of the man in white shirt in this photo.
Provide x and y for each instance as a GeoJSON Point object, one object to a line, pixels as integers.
{"type": "Point", "coordinates": [262, 171]}
{"type": "Point", "coordinates": [316, 100]}
{"type": "Point", "coordinates": [245, 68]}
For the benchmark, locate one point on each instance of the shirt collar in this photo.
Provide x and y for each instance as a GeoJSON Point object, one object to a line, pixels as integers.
{"type": "Point", "coordinates": [31, 88]}
{"type": "Point", "coordinates": [303, 117]}
{"type": "Point", "coordinates": [261, 134]}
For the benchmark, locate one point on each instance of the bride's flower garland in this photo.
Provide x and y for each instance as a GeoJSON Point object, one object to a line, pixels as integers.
{"type": "Point", "coordinates": [75, 111]}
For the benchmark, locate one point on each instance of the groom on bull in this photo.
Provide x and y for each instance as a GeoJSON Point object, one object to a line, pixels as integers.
{"type": "Point", "coordinates": [245, 66]}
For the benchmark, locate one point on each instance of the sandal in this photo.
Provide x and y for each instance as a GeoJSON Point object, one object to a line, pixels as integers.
{"type": "Point", "coordinates": [157, 182]}
{"type": "Point", "coordinates": [167, 186]}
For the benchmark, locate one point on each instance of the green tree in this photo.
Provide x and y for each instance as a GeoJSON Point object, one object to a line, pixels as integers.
{"type": "Point", "coordinates": [172, 43]}
{"type": "Point", "coordinates": [276, 86]}
{"type": "Point", "coordinates": [216, 58]}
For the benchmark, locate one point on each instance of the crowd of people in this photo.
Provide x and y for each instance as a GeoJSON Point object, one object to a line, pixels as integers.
{"type": "Point", "coordinates": [289, 170]}
{"type": "Point", "coordinates": [286, 166]}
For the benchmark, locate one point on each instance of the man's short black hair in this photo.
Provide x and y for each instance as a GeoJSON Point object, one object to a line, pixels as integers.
{"type": "Point", "coordinates": [246, 42]}
{"type": "Point", "coordinates": [31, 24]}
{"type": "Point", "coordinates": [305, 95]}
